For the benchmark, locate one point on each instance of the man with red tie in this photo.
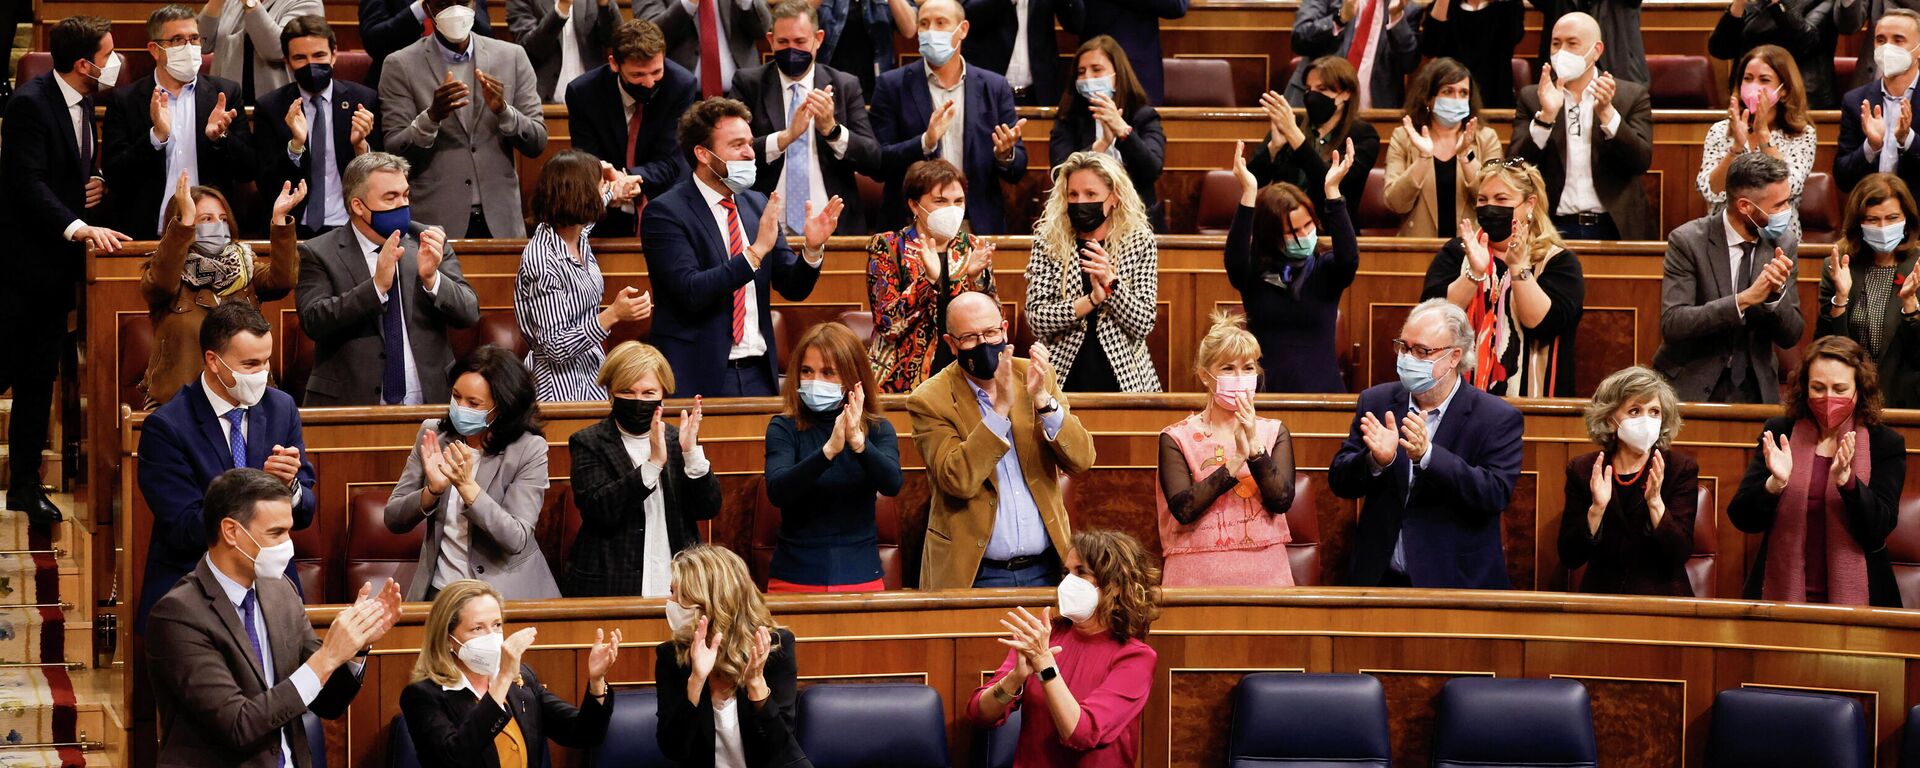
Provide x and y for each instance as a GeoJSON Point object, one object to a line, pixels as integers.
{"type": "Point", "coordinates": [1379, 37]}
{"type": "Point", "coordinates": [712, 319]}
{"type": "Point", "coordinates": [711, 37]}
{"type": "Point", "coordinates": [642, 136]}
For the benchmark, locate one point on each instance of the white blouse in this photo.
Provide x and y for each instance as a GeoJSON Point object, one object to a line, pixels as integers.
{"type": "Point", "coordinates": [728, 752]}
{"type": "Point", "coordinates": [1796, 150]}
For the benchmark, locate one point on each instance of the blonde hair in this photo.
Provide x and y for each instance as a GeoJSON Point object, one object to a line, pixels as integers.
{"type": "Point", "coordinates": [1631, 385]}
{"type": "Point", "coordinates": [1129, 213]}
{"type": "Point", "coordinates": [715, 581]}
{"type": "Point", "coordinates": [631, 360]}
{"type": "Point", "coordinates": [436, 660]}
{"type": "Point", "coordinates": [1227, 339]}
{"type": "Point", "coordinates": [1542, 236]}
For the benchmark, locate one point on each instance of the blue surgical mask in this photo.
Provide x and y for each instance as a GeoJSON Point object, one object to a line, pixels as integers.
{"type": "Point", "coordinates": [466, 421]}
{"type": "Point", "coordinates": [936, 46]}
{"type": "Point", "coordinates": [1301, 246]}
{"type": "Point", "coordinates": [739, 176]}
{"type": "Point", "coordinates": [1415, 374]}
{"type": "Point", "coordinates": [1452, 111]}
{"type": "Point", "coordinates": [1777, 222]}
{"type": "Point", "coordinates": [820, 395]}
{"type": "Point", "coordinates": [391, 220]}
{"type": "Point", "coordinates": [1885, 239]}
{"type": "Point", "coordinates": [1094, 87]}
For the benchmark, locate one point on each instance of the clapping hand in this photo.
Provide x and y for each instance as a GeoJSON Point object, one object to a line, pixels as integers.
{"type": "Point", "coordinates": [657, 439]}
{"type": "Point", "coordinates": [433, 248]}
{"type": "Point", "coordinates": [1281, 118]}
{"type": "Point", "coordinates": [1604, 87]}
{"type": "Point", "coordinates": [1842, 471]}
{"type": "Point", "coordinates": [1039, 369]}
{"type": "Point", "coordinates": [1030, 637]}
{"type": "Point", "coordinates": [1519, 253]}
{"type": "Point", "coordinates": [1381, 438]}
{"type": "Point", "coordinates": [1421, 138]}
{"type": "Point", "coordinates": [1337, 168]}
{"type": "Point", "coordinates": [450, 96]}
{"type": "Point", "coordinates": [296, 118]}
{"type": "Point", "coordinates": [820, 104]}
{"type": "Point", "coordinates": [1550, 95]}
{"type": "Point", "coordinates": [701, 654]}
{"type": "Point", "coordinates": [769, 231]}
{"type": "Point", "coordinates": [979, 259]}
{"type": "Point", "coordinates": [854, 413]}
{"type": "Point", "coordinates": [755, 675]}
{"type": "Point", "coordinates": [1840, 275]}
{"type": "Point", "coordinates": [160, 113]}
{"type": "Point", "coordinates": [1779, 455]}
{"type": "Point", "coordinates": [1413, 435]}
{"type": "Point", "coordinates": [388, 264]}
{"type": "Point", "coordinates": [630, 305]}
{"type": "Point", "coordinates": [1656, 475]}
{"type": "Point", "coordinates": [511, 651]}
{"type": "Point", "coordinates": [1249, 186]}
{"type": "Point", "coordinates": [1002, 392]}
{"type": "Point", "coordinates": [1470, 161]}
{"type": "Point", "coordinates": [1097, 265]}
{"type": "Point", "coordinates": [220, 119]}
{"type": "Point", "coordinates": [1777, 273]}
{"type": "Point", "coordinates": [1762, 122]}
{"type": "Point", "coordinates": [283, 463]}
{"type": "Point", "coordinates": [290, 196]}
{"type": "Point", "coordinates": [1909, 293]}
{"type": "Point", "coordinates": [690, 427]}
{"type": "Point", "coordinates": [361, 128]}
{"type": "Point", "coordinates": [491, 91]}
{"type": "Point", "coordinates": [1479, 256]}
{"type": "Point", "coordinates": [600, 658]}
{"type": "Point", "coordinates": [1873, 126]}
{"type": "Point", "coordinates": [1600, 487]}
{"type": "Point", "coordinates": [1246, 428]}
{"type": "Point", "coordinates": [820, 226]}
{"type": "Point", "coordinates": [1108, 116]}
{"type": "Point", "coordinates": [183, 199]}
{"type": "Point", "coordinates": [937, 126]}
{"type": "Point", "coordinates": [433, 464]}
{"type": "Point", "coordinates": [1005, 138]}
{"type": "Point", "coordinates": [460, 470]}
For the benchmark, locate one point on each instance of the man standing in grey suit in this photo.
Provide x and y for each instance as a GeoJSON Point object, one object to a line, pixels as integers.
{"type": "Point", "coordinates": [377, 296]}
{"type": "Point", "coordinates": [735, 25]}
{"type": "Point", "coordinates": [457, 106]}
{"type": "Point", "coordinates": [1724, 304]}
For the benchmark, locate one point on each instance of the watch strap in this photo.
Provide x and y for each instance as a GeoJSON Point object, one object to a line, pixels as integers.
{"type": "Point", "coordinates": [1047, 675]}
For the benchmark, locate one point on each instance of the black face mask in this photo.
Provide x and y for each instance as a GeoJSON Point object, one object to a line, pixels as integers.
{"type": "Point", "coordinates": [1496, 221]}
{"type": "Point", "coordinates": [1320, 107]}
{"type": "Point", "coordinates": [982, 361]}
{"type": "Point", "coordinates": [640, 93]}
{"type": "Point", "coordinates": [635, 416]}
{"type": "Point", "coordinates": [1086, 217]}
{"type": "Point", "coordinates": [314, 78]}
{"type": "Point", "coordinates": [792, 62]}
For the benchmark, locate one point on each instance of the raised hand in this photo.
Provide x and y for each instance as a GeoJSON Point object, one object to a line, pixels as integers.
{"type": "Point", "coordinates": [220, 119]}
{"type": "Point", "coordinates": [657, 439]}
{"type": "Point", "coordinates": [1656, 475]}
{"type": "Point", "coordinates": [768, 234]}
{"type": "Point", "coordinates": [360, 129]}
{"type": "Point", "coordinates": [1039, 369]}
{"type": "Point", "coordinates": [433, 248]}
{"type": "Point", "coordinates": [1604, 87]}
{"type": "Point", "coordinates": [290, 196]}
{"type": "Point", "coordinates": [1421, 138]}
{"type": "Point", "coordinates": [1551, 98]}
{"type": "Point", "coordinates": [1004, 139]}
{"type": "Point", "coordinates": [491, 91]}
{"type": "Point", "coordinates": [283, 464]}
{"type": "Point", "coordinates": [1840, 275]}
{"type": "Point", "coordinates": [1249, 186]}
{"type": "Point", "coordinates": [820, 226]}
{"type": "Point", "coordinates": [937, 125]}
{"type": "Point", "coordinates": [1002, 392]}
{"type": "Point", "coordinates": [1600, 486]}
{"type": "Point", "coordinates": [1282, 119]}
{"type": "Point", "coordinates": [386, 267]}
{"type": "Point", "coordinates": [183, 200]}
{"type": "Point", "coordinates": [855, 412]}
{"type": "Point", "coordinates": [161, 115]}
{"type": "Point", "coordinates": [1737, 127]}
{"type": "Point", "coordinates": [1382, 439]}
{"type": "Point", "coordinates": [1337, 169]}
{"type": "Point", "coordinates": [1413, 435]}
{"type": "Point", "coordinates": [450, 96]}
{"type": "Point", "coordinates": [600, 658]}
{"type": "Point", "coordinates": [690, 426]}
{"type": "Point", "coordinates": [296, 118]}
{"type": "Point", "coordinates": [1873, 125]}
{"type": "Point", "coordinates": [1842, 471]}
{"type": "Point", "coordinates": [1779, 460]}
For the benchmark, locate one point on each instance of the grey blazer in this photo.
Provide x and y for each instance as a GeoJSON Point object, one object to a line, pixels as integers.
{"type": "Point", "coordinates": [537, 26]}
{"type": "Point", "coordinates": [452, 158]}
{"type": "Point", "coordinates": [226, 35]}
{"type": "Point", "coordinates": [743, 28]}
{"type": "Point", "coordinates": [501, 550]}
{"type": "Point", "coordinates": [341, 311]}
{"type": "Point", "coordinates": [1700, 325]}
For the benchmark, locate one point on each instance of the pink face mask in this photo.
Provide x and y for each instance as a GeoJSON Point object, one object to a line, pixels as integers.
{"type": "Point", "coordinates": [1227, 389]}
{"type": "Point", "coordinates": [1831, 411]}
{"type": "Point", "coordinates": [1751, 95]}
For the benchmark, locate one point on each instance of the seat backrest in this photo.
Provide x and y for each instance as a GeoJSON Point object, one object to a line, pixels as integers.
{"type": "Point", "coordinates": [32, 64]}
{"type": "Point", "coordinates": [1219, 199]}
{"type": "Point", "coordinates": [860, 322]}
{"type": "Point", "coordinates": [400, 752]}
{"type": "Point", "coordinates": [1819, 209]}
{"type": "Point", "coordinates": [633, 733]}
{"type": "Point", "coordinates": [1522, 72]}
{"type": "Point", "coordinates": [1376, 219]}
{"type": "Point", "coordinates": [316, 738]}
{"type": "Point", "coordinates": [352, 66]}
{"type": "Point", "coordinates": [898, 725]}
{"type": "Point", "coordinates": [1680, 82]}
{"type": "Point", "coordinates": [136, 348]}
{"type": "Point", "coordinates": [995, 747]}
{"type": "Point", "coordinates": [1303, 523]}
{"type": "Point", "coordinates": [1198, 82]}
{"type": "Point", "coordinates": [559, 522]}
{"type": "Point", "coordinates": [373, 552]}
{"type": "Point", "coordinates": [1844, 67]}
{"type": "Point", "coordinates": [766, 537]}
{"type": "Point", "coordinates": [1517, 722]}
{"type": "Point", "coordinates": [1283, 718]}
{"type": "Point", "coordinates": [1770, 728]}
{"type": "Point", "coordinates": [1910, 740]}
{"type": "Point", "coordinates": [1706, 547]}
{"type": "Point", "coordinates": [313, 559]}
{"type": "Point", "coordinates": [295, 357]}
{"type": "Point", "coordinates": [1903, 548]}
{"type": "Point", "coordinates": [780, 334]}
{"type": "Point", "coordinates": [497, 327]}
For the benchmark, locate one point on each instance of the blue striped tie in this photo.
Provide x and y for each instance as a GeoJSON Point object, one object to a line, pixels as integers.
{"type": "Point", "coordinates": [237, 439]}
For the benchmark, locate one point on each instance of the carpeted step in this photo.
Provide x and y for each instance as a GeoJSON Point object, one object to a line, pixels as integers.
{"type": "Point", "coordinates": [38, 706]}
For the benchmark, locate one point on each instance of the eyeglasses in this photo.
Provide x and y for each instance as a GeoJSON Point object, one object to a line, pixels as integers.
{"type": "Point", "coordinates": [179, 40]}
{"type": "Point", "coordinates": [1402, 346]}
{"type": "Point", "coordinates": [971, 340]}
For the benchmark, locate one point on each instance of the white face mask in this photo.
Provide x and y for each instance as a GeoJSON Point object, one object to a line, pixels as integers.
{"type": "Point", "coordinates": [1893, 60]}
{"type": "Point", "coordinates": [944, 222]}
{"type": "Point", "coordinates": [1641, 432]}
{"type": "Point", "coordinates": [247, 388]}
{"type": "Point", "coordinates": [1077, 597]}
{"type": "Point", "coordinates": [110, 74]}
{"type": "Point", "coordinates": [482, 654]}
{"type": "Point", "coordinates": [183, 62]}
{"type": "Point", "coordinates": [270, 562]}
{"type": "Point", "coordinates": [454, 23]}
{"type": "Point", "coordinates": [681, 618]}
{"type": "Point", "coordinates": [1568, 65]}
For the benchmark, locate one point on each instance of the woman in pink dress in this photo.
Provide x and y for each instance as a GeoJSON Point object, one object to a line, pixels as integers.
{"type": "Point", "coordinates": [1226, 475]}
{"type": "Point", "coordinates": [1081, 679]}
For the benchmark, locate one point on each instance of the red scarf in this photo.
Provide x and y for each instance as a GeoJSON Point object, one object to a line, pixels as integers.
{"type": "Point", "coordinates": [1786, 574]}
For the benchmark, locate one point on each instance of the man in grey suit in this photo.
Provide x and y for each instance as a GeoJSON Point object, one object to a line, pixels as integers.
{"type": "Point", "coordinates": [563, 38]}
{"type": "Point", "coordinates": [740, 24]}
{"type": "Point", "coordinates": [377, 296]}
{"type": "Point", "coordinates": [457, 106]}
{"type": "Point", "coordinates": [1724, 304]}
{"type": "Point", "coordinates": [244, 38]}
{"type": "Point", "coordinates": [234, 660]}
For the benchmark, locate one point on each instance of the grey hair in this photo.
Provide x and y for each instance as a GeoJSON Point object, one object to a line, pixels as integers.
{"type": "Point", "coordinates": [168, 13]}
{"type": "Point", "coordinates": [354, 179]}
{"type": "Point", "coordinates": [1631, 385]}
{"type": "Point", "coordinates": [1457, 324]}
{"type": "Point", "coordinates": [1752, 171]}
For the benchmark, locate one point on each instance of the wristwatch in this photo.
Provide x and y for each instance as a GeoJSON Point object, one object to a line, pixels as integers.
{"type": "Point", "coordinates": [1050, 407]}
{"type": "Point", "coordinates": [1047, 675]}
{"type": "Point", "coordinates": [1525, 274]}
{"type": "Point", "coordinates": [1542, 123]}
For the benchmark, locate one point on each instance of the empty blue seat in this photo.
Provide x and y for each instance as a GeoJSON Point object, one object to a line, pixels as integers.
{"type": "Point", "coordinates": [1288, 719]}
{"type": "Point", "coordinates": [632, 734]}
{"type": "Point", "coordinates": [400, 753]}
{"type": "Point", "coordinates": [994, 747]}
{"type": "Point", "coordinates": [1762, 728]}
{"type": "Point", "coordinates": [1514, 723]}
{"type": "Point", "coordinates": [883, 725]}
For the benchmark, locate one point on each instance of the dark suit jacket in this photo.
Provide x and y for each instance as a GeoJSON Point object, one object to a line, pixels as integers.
{"type": "Point", "coordinates": [991, 34]}
{"type": "Point", "coordinates": [1806, 28]}
{"type": "Point", "coordinates": [1452, 519]}
{"type": "Point", "coordinates": [743, 28]}
{"type": "Point", "coordinates": [760, 88]}
{"type": "Point", "coordinates": [225, 165]}
{"type": "Point", "coordinates": [1618, 163]}
{"type": "Point", "coordinates": [901, 108]}
{"type": "Point", "coordinates": [597, 119]}
{"type": "Point", "coordinates": [1850, 160]}
{"type": "Point", "coordinates": [271, 133]}
{"type": "Point", "coordinates": [608, 489]}
{"type": "Point", "coordinates": [340, 310]}
{"type": "Point", "coordinates": [215, 707]}
{"type": "Point", "coordinates": [387, 26]}
{"type": "Point", "coordinates": [1144, 152]}
{"type": "Point", "coordinates": [537, 26]}
{"type": "Point", "coordinates": [1630, 555]}
{"type": "Point", "coordinates": [1872, 510]}
{"type": "Point", "coordinates": [1135, 24]}
{"type": "Point", "coordinates": [1700, 325]}
{"type": "Point", "coordinates": [689, 262]}
{"type": "Point", "coordinates": [44, 188]}
{"type": "Point", "coordinates": [1899, 363]}
{"type": "Point", "coordinates": [1317, 32]}
{"type": "Point", "coordinates": [182, 449]}
{"type": "Point", "coordinates": [766, 732]}
{"type": "Point", "coordinates": [454, 729]}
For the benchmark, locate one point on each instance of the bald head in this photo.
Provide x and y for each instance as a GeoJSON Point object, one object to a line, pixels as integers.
{"type": "Point", "coordinates": [972, 312]}
{"type": "Point", "coordinates": [1578, 34]}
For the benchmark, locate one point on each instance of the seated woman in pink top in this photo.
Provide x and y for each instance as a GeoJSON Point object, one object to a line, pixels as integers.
{"type": "Point", "coordinates": [1226, 475]}
{"type": "Point", "coordinates": [1082, 679]}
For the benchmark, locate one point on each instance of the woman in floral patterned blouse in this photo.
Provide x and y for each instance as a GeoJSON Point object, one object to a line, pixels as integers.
{"type": "Point", "coordinates": [913, 273]}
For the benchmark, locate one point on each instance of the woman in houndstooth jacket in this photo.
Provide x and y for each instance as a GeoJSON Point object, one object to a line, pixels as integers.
{"type": "Point", "coordinates": [1095, 266]}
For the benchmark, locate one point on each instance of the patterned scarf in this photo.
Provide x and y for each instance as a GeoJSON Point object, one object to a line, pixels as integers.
{"type": "Point", "coordinates": [225, 271]}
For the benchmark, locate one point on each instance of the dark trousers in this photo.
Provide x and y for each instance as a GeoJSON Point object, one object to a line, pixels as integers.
{"type": "Point", "coordinates": [30, 346]}
{"type": "Point", "coordinates": [1043, 573]}
{"type": "Point", "coordinates": [1725, 391]}
{"type": "Point", "coordinates": [749, 381]}
{"type": "Point", "coordinates": [1572, 228]}
{"type": "Point", "coordinates": [477, 225]}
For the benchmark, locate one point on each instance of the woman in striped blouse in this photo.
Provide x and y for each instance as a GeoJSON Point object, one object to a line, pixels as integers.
{"type": "Point", "coordinates": [557, 295]}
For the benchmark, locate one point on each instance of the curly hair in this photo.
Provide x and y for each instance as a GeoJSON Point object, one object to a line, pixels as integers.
{"type": "Point", "coordinates": [1866, 379]}
{"type": "Point", "coordinates": [1129, 581]}
{"type": "Point", "coordinates": [1523, 178]}
{"type": "Point", "coordinates": [1129, 213]}
{"type": "Point", "coordinates": [1631, 385]}
{"type": "Point", "coordinates": [715, 581]}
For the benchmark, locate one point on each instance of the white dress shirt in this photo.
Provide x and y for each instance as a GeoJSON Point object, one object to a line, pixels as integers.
{"type": "Point", "coordinates": [569, 57]}
{"type": "Point", "coordinates": [75, 114]}
{"type": "Point", "coordinates": [1578, 195]}
{"type": "Point", "coordinates": [370, 250]}
{"type": "Point", "coordinates": [816, 187]}
{"type": "Point", "coordinates": [951, 146]}
{"type": "Point", "coordinates": [1364, 73]}
{"type": "Point", "coordinates": [656, 574]}
{"type": "Point", "coordinates": [1019, 66]}
{"type": "Point", "coordinates": [181, 145]}
{"type": "Point", "coordinates": [752, 343]}
{"type": "Point", "coordinates": [304, 680]}
{"type": "Point", "coordinates": [1891, 146]}
{"type": "Point", "coordinates": [719, 25]}
{"type": "Point", "coordinates": [1734, 253]}
{"type": "Point", "coordinates": [335, 202]}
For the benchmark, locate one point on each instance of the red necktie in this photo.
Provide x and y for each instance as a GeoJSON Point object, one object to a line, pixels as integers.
{"type": "Point", "coordinates": [736, 245]}
{"type": "Point", "coordinates": [1362, 33]}
{"type": "Point", "coordinates": [633, 143]}
{"type": "Point", "coordinates": [710, 50]}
